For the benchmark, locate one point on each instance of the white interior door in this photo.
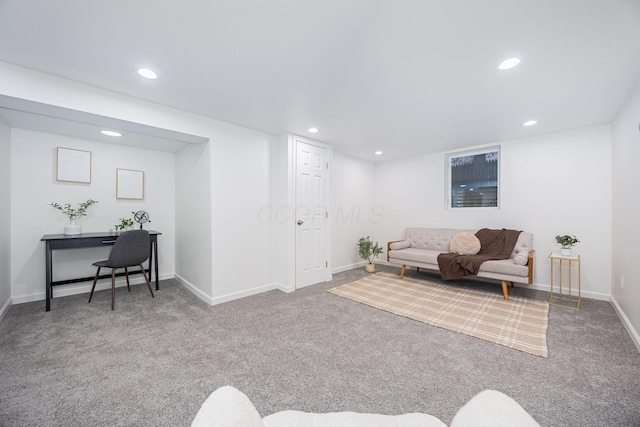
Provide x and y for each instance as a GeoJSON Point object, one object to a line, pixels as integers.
{"type": "Point", "coordinates": [311, 214]}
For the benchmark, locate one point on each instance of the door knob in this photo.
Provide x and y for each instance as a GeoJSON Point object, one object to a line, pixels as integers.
{"type": "Point", "coordinates": [300, 222]}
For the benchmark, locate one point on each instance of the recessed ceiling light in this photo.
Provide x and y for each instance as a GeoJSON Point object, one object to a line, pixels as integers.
{"type": "Point", "coordinates": [377, 153]}
{"type": "Point", "coordinates": [147, 73]}
{"type": "Point", "coordinates": [110, 133]}
{"type": "Point", "coordinates": [530, 123]}
{"type": "Point", "coordinates": [509, 63]}
{"type": "Point", "coordinates": [313, 130]}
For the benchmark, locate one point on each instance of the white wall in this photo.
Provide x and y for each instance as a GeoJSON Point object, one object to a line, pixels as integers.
{"type": "Point", "coordinates": [34, 187]}
{"type": "Point", "coordinates": [553, 184]}
{"type": "Point", "coordinates": [243, 251]}
{"type": "Point", "coordinates": [626, 211]}
{"type": "Point", "coordinates": [5, 218]}
{"type": "Point", "coordinates": [353, 213]}
{"type": "Point", "coordinates": [193, 219]}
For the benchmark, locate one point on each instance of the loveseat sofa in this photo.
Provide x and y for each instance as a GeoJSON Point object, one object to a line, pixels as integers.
{"type": "Point", "coordinates": [229, 407]}
{"type": "Point", "coordinates": [421, 247]}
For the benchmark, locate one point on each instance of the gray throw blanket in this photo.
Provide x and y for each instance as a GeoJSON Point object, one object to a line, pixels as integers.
{"type": "Point", "coordinates": [494, 244]}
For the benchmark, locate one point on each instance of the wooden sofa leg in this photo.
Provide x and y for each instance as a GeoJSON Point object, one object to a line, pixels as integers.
{"type": "Point", "coordinates": [404, 268]}
{"type": "Point", "coordinates": [513, 285]}
{"type": "Point", "coordinates": [505, 289]}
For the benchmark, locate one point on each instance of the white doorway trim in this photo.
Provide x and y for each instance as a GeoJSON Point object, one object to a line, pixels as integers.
{"type": "Point", "coordinates": [285, 210]}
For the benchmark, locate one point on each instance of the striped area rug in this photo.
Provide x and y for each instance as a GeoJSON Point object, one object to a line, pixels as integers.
{"type": "Point", "coordinates": [518, 323]}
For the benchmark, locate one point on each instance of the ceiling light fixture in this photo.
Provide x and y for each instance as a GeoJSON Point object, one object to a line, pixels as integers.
{"type": "Point", "coordinates": [378, 153]}
{"type": "Point", "coordinates": [530, 123]}
{"type": "Point", "coordinates": [509, 63]}
{"type": "Point", "coordinates": [110, 133]}
{"type": "Point", "coordinates": [313, 130]}
{"type": "Point", "coordinates": [147, 73]}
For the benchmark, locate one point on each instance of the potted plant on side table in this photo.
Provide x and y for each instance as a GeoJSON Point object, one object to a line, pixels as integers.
{"type": "Point", "coordinates": [73, 214]}
{"type": "Point", "coordinates": [567, 242]}
{"type": "Point", "coordinates": [369, 251]}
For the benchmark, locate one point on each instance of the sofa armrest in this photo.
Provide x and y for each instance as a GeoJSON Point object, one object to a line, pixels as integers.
{"type": "Point", "coordinates": [227, 407]}
{"type": "Point", "coordinates": [397, 244]}
{"type": "Point", "coordinates": [491, 408]}
{"type": "Point", "coordinates": [530, 264]}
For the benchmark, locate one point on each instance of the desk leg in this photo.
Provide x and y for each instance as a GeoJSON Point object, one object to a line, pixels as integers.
{"type": "Point", "coordinates": [48, 274]}
{"type": "Point", "coordinates": [151, 260]}
{"type": "Point", "coordinates": [155, 249]}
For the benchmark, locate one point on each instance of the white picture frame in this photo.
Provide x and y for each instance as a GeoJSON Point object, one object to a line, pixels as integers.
{"type": "Point", "coordinates": [73, 165]}
{"type": "Point", "coordinates": [129, 184]}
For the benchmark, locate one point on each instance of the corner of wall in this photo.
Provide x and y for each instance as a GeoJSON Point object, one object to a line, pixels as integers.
{"type": "Point", "coordinates": [635, 337]}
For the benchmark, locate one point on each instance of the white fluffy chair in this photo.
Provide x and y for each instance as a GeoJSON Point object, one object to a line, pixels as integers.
{"type": "Point", "coordinates": [228, 407]}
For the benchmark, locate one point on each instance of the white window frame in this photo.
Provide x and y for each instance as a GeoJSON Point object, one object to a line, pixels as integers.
{"type": "Point", "coordinates": [448, 176]}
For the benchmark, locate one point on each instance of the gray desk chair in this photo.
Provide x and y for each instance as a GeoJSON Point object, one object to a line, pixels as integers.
{"type": "Point", "coordinates": [130, 249]}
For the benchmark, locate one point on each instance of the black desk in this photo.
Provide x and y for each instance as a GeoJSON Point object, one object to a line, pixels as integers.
{"type": "Point", "coordinates": [86, 240]}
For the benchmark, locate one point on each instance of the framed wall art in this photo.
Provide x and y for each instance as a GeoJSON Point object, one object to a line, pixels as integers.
{"type": "Point", "coordinates": [73, 165]}
{"type": "Point", "coordinates": [129, 184]}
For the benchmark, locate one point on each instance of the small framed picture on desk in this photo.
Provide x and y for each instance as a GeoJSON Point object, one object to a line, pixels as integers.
{"type": "Point", "coordinates": [129, 184]}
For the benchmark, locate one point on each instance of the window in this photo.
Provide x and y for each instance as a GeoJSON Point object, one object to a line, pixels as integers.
{"type": "Point", "coordinates": [473, 178]}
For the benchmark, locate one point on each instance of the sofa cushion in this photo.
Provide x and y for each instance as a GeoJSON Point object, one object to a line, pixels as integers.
{"type": "Point", "coordinates": [424, 256]}
{"type": "Point", "coordinates": [349, 419]}
{"type": "Point", "coordinates": [491, 408]}
{"type": "Point", "coordinates": [504, 266]}
{"type": "Point", "coordinates": [465, 244]}
{"type": "Point", "coordinates": [524, 244]}
{"type": "Point", "coordinates": [437, 239]}
{"type": "Point", "coordinates": [227, 407]}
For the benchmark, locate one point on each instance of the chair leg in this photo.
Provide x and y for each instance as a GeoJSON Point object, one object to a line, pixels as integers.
{"type": "Point", "coordinates": [94, 284]}
{"type": "Point", "coordinates": [126, 273]}
{"type": "Point", "coordinates": [505, 290]}
{"type": "Point", "coordinates": [144, 273]}
{"type": "Point", "coordinates": [113, 288]}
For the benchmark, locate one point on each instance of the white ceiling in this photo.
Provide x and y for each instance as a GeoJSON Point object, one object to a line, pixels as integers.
{"type": "Point", "coordinates": [407, 77]}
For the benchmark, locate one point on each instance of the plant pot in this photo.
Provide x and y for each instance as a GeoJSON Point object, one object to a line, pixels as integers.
{"type": "Point", "coordinates": [565, 251]}
{"type": "Point", "coordinates": [370, 268]}
{"type": "Point", "coordinates": [72, 229]}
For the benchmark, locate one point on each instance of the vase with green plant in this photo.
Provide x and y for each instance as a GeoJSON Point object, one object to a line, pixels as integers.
{"type": "Point", "coordinates": [125, 224]}
{"type": "Point", "coordinates": [566, 242]}
{"type": "Point", "coordinates": [369, 251]}
{"type": "Point", "coordinates": [73, 214]}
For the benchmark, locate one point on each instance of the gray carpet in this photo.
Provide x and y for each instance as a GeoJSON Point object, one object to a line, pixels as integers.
{"type": "Point", "coordinates": [153, 362]}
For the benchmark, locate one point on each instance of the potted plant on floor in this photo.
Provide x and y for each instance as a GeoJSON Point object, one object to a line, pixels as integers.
{"type": "Point", "coordinates": [567, 242]}
{"type": "Point", "coordinates": [73, 214]}
{"type": "Point", "coordinates": [369, 251]}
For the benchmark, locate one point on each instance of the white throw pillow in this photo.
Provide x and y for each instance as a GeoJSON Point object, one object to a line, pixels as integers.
{"type": "Point", "coordinates": [465, 244]}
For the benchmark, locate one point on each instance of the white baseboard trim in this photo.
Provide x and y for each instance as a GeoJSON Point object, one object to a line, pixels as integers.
{"type": "Point", "coordinates": [194, 289]}
{"type": "Point", "coordinates": [584, 294]}
{"type": "Point", "coordinates": [539, 287]}
{"type": "Point", "coordinates": [234, 295]}
{"type": "Point", "coordinates": [627, 324]}
{"type": "Point", "coordinates": [284, 288]}
{"type": "Point", "coordinates": [85, 287]}
{"type": "Point", "coordinates": [5, 308]}
{"type": "Point", "coordinates": [349, 267]}
{"type": "Point", "coordinates": [241, 294]}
